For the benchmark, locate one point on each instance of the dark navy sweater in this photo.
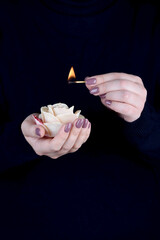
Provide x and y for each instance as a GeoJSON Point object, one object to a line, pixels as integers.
{"type": "Point", "coordinates": [109, 189]}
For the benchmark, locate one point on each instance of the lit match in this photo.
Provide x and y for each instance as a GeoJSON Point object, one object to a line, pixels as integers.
{"type": "Point", "coordinates": [72, 77]}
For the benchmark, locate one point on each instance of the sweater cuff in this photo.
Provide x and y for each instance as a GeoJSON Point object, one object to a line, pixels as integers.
{"type": "Point", "coordinates": [143, 126]}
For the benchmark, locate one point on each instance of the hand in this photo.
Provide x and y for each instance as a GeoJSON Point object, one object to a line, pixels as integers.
{"type": "Point", "coordinates": [120, 92]}
{"type": "Point", "coordinates": [69, 138]}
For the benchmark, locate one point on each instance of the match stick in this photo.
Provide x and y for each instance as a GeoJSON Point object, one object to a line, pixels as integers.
{"type": "Point", "coordinates": [75, 81]}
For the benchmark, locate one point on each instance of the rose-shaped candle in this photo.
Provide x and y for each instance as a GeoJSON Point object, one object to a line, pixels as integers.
{"type": "Point", "coordinates": [52, 117]}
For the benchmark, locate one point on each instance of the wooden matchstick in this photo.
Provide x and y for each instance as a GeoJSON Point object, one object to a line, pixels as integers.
{"type": "Point", "coordinates": [75, 81]}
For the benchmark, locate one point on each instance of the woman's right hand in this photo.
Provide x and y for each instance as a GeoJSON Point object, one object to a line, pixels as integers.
{"type": "Point", "coordinates": [69, 138]}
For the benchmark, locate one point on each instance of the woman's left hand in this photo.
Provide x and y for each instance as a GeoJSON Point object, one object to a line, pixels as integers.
{"type": "Point", "coordinates": [120, 92]}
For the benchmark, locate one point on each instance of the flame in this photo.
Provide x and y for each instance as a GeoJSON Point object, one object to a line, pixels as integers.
{"type": "Point", "coordinates": [71, 74]}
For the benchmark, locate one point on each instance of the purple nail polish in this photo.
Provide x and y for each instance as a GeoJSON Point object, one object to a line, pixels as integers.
{"type": "Point", "coordinates": [108, 102]}
{"type": "Point", "coordinates": [94, 90]}
{"type": "Point", "coordinates": [38, 132]}
{"type": "Point", "coordinates": [102, 96]}
{"type": "Point", "coordinates": [85, 123]}
{"type": "Point", "coordinates": [79, 123]}
{"type": "Point", "coordinates": [68, 127]}
{"type": "Point", "coordinates": [90, 81]}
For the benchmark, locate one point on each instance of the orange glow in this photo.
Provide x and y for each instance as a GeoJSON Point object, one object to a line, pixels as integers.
{"type": "Point", "coordinates": [71, 74]}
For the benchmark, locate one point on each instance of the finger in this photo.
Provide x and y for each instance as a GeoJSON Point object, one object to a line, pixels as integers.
{"type": "Point", "coordinates": [30, 129]}
{"type": "Point", "coordinates": [75, 131]}
{"type": "Point", "coordinates": [99, 79]}
{"type": "Point", "coordinates": [59, 140]}
{"type": "Point", "coordinates": [122, 108]}
{"type": "Point", "coordinates": [83, 136]}
{"type": "Point", "coordinates": [117, 85]}
{"type": "Point", "coordinates": [124, 97]}
{"type": "Point", "coordinates": [48, 146]}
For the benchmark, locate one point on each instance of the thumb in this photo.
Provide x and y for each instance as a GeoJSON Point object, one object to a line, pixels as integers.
{"type": "Point", "coordinates": [38, 131]}
{"type": "Point", "coordinates": [30, 129]}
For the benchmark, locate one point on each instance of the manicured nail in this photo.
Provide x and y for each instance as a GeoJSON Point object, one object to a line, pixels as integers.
{"type": "Point", "coordinates": [94, 90]}
{"type": "Point", "coordinates": [68, 127]}
{"type": "Point", "coordinates": [38, 132]}
{"type": "Point", "coordinates": [85, 123]}
{"type": "Point", "coordinates": [79, 123]}
{"type": "Point", "coordinates": [102, 96]}
{"type": "Point", "coordinates": [108, 102]}
{"type": "Point", "coordinates": [90, 81]}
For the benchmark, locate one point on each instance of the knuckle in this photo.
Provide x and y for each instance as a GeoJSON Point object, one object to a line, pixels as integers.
{"type": "Point", "coordinates": [138, 79]}
{"type": "Point", "coordinates": [75, 148]}
{"type": "Point", "coordinates": [63, 137]}
{"type": "Point", "coordinates": [102, 88]}
{"type": "Point", "coordinates": [129, 111]}
{"type": "Point", "coordinates": [145, 92]}
{"type": "Point", "coordinates": [55, 148]}
{"type": "Point", "coordinates": [123, 84]}
{"type": "Point", "coordinates": [125, 95]}
{"type": "Point", "coordinates": [116, 75]}
{"type": "Point", "coordinates": [103, 78]}
{"type": "Point", "coordinates": [66, 148]}
{"type": "Point", "coordinates": [75, 132]}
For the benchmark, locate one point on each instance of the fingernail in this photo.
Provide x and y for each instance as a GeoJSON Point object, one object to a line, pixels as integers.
{"type": "Point", "coordinates": [85, 123]}
{"type": "Point", "coordinates": [103, 96]}
{"type": "Point", "coordinates": [90, 81]}
{"type": "Point", "coordinates": [89, 125]}
{"type": "Point", "coordinates": [68, 127]}
{"type": "Point", "coordinates": [108, 102]}
{"type": "Point", "coordinates": [37, 131]}
{"type": "Point", "coordinates": [79, 123]}
{"type": "Point", "coordinates": [94, 90]}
